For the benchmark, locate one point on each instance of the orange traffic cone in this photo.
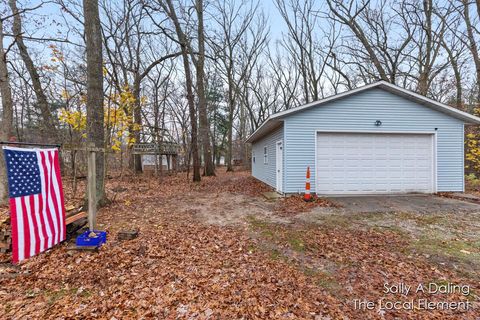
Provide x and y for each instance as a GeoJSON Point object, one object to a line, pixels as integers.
{"type": "Point", "coordinates": [307, 196]}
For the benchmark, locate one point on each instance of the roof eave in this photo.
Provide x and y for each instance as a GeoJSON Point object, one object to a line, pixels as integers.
{"type": "Point", "coordinates": [267, 126]}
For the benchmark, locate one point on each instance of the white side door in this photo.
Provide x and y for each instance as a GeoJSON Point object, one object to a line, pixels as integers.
{"type": "Point", "coordinates": [279, 166]}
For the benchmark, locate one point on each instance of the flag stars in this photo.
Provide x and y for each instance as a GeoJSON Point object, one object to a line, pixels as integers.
{"type": "Point", "coordinates": [23, 173]}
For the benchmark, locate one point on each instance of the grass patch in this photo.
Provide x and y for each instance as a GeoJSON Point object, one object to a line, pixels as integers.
{"type": "Point", "coordinates": [251, 248]}
{"type": "Point", "coordinates": [30, 293]}
{"type": "Point", "coordinates": [279, 234]}
{"type": "Point", "coordinates": [296, 243]}
{"type": "Point", "coordinates": [275, 254]}
{"type": "Point", "coordinates": [84, 293]}
{"type": "Point", "coordinates": [323, 279]}
{"type": "Point", "coordinates": [54, 296]}
{"type": "Point", "coordinates": [334, 220]}
{"type": "Point", "coordinates": [328, 283]}
{"type": "Point", "coordinates": [429, 220]}
{"type": "Point", "coordinates": [266, 229]}
{"type": "Point", "coordinates": [471, 296]}
{"type": "Point", "coordinates": [268, 233]}
{"type": "Point", "coordinates": [451, 249]}
{"type": "Point", "coordinates": [395, 229]}
{"type": "Point", "coordinates": [258, 224]}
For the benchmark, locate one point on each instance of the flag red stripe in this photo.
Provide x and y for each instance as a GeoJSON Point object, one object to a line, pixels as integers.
{"type": "Point", "coordinates": [14, 226]}
{"type": "Point", "coordinates": [43, 228]}
{"type": "Point", "coordinates": [55, 212]}
{"type": "Point", "coordinates": [47, 182]}
{"type": "Point", "coordinates": [26, 229]}
{"type": "Point", "coordinates": [36, 229]}
{"type": "Point", "coordinates": [60, 190]}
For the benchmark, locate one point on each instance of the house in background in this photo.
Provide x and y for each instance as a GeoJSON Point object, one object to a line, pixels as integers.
{"type": "Point", "coordinates": [376, 139]}
{"type": "Point", "coordinates": [151, 162]}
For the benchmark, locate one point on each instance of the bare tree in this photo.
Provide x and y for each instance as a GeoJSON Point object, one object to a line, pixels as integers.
{"type": "Point", "coordinates": [454, 48]}
{"type": "Point", "coordinates": [348, 14]}
{"type": "Point", "coordinates": [428, 42]}
{"type": "Point", "coordinates": [204, 128]}
{"type": "Point", "coordinates": [6, 129]}
{"type": "Point", "coordinates": [235, 55]}
{"type": "Point", "coordinates": [307, 43]}
{"type": "Point", "coordinates": [49, 127]}
{"type": "Point", "coordinates": [285, 79]}
{"type": "Point", "coordinates": [183, 41]}
{"type": "Point", "coordinates": [471, 41]}
{"type": "Point", "coordinates": [131, 54]}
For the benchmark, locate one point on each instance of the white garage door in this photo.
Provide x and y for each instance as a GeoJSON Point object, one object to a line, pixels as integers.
{"type": "Point", "coordinates": [362, 163]}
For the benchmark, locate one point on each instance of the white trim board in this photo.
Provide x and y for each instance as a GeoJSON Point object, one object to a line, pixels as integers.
{"type": "Point", "coordinates": [277, 187]}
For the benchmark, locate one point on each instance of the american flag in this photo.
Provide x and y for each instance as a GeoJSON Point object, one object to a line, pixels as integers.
{"type": "Point", "coordinates": [36, 200]}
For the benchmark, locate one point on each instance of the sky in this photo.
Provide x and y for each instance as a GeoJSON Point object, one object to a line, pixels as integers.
{"type": "Point", "coordinates": [50, 13]}
{"type": "Point", "coordinates": [49, 19]}
{"type": "Point", "coordinates": [277, 25]}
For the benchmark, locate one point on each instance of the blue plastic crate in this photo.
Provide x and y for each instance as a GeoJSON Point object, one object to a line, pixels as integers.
{"type": "Point", "coordinates": [85, 240]}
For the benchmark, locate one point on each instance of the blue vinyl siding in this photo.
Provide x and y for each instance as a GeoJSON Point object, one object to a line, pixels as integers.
{"type": "Point", "coordinates": [266, 172]}
{"type": "Point", "coordinates": [358, 112]}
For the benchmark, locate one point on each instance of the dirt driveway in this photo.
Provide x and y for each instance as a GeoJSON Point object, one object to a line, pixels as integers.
{"type": "Point", "coordinates": [404, 203]}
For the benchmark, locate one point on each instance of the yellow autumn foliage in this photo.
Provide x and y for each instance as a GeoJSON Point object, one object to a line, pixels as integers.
{"type": "Point", "coordinates": [118, 118]}
{"type": "Point", "coordinates": [472, 147]}
{"type": "Point", "coordinates": [77, 120]}
{"type": "Point", "coordinates": [65, 94]}
{"type": "Point", "coordinates": [472, 154]}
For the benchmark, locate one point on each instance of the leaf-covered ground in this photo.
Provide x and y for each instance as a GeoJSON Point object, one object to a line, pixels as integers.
{"type": "Point", "coordinates": [218, 250]}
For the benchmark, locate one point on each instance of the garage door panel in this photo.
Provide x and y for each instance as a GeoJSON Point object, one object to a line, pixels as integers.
{"type": "Point", "coordinates": [349, 163]}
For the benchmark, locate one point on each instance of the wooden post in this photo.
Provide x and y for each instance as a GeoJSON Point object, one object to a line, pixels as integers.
{"type": "Point", "coordinates": [92, 189]}
{"type": "Point", "coordinates": [74, 172]}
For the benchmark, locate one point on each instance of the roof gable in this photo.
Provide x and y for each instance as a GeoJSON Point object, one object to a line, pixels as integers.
{"type": "Point", "coordinates": [274, 119]}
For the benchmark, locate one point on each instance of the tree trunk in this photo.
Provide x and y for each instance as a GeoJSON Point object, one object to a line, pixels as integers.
{"type": "Point", "coordinates": [137, 119]}
{"type": "Point", "coordinates": [478, 8]}
{"type": "Point", "coordinates": [182, 38]}
{"type": "Point", "coordinates": [95, 114]}
{"type": "Point", "coordinates": [204, 128]}
{"type": "Point", "coordinates": [356, 29]}
{"type": "Point", "coordinates": [6, 129]}
{"type": "Point", "coordinates": [49, 129]}
{"type": "Point", "coordinates": [231, 105]}
{"type": "Point", "coordinates": [425, 62]}
{"type": "Point", "coordinates": [422, 87]}
{"type": "Point", "coordinates": [193, 119]}
{"type": "Point", "coordinates": [458, 78]}
{"type": "Point", "coordinates": [473, 45]}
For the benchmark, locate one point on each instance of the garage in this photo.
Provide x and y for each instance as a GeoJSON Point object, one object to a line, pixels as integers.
{"type": "Point", "coordinates": [375, 139]}
{"type": "Point", "coordinates": [366, 163]}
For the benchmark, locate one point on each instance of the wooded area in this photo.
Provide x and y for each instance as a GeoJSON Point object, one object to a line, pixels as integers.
{"type": "Point", "coordinates": [206, 74]}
